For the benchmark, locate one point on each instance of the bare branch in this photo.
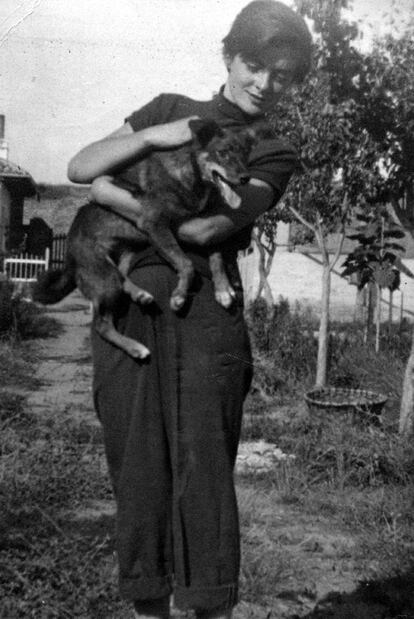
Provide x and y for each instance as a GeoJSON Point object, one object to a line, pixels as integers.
{"type": "Point", "coordinates": [302, 219]}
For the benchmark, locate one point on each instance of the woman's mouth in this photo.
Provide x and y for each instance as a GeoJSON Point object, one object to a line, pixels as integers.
{"type": "Point", "coordinates": [257, 99]}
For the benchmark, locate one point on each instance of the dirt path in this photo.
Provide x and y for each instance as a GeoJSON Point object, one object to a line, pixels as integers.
{"type": "Point", "coordinates": [64, 363]}
{"type": "Point", "coordinates": [291, 560]}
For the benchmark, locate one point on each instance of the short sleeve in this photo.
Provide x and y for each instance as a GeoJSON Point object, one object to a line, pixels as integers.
{"type": "Point", "coordinates": [273, 161]}
{"type": "Point", "coordinates": [147, 115]}
{"type": "Point", "coordinates": [164, 108]}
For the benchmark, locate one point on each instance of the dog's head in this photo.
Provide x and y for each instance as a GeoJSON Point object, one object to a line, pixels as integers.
{"type": "Point", "coordinates": [221, 157]}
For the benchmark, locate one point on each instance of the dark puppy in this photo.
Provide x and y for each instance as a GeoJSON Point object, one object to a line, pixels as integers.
{"type": "Point", "coordinates": [170, 186]}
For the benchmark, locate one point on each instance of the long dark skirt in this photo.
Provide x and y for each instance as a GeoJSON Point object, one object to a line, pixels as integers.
{"type": "Point", "coordinates": [171, 429]}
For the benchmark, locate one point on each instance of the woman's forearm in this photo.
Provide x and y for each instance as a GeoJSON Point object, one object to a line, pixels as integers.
{"type": "Point", "coordinates": [103, 156]}
{"type": "Point", "coordinates": [123, 145]}
{"type": "Point", "coordinates": [118, 200]}
{"type": "Point", "coordinates": [256, 198]}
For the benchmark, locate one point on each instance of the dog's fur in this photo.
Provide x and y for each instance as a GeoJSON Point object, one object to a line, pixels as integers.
{"type": "Point", "coordinates": [170, 186]}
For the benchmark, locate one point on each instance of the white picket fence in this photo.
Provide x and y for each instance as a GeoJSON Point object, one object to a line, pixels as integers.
{"type": "Point", "coordinates": [25, 267]}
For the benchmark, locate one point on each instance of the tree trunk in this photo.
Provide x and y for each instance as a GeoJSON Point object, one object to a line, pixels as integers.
{"type": "Point", "coordinates": [378, 319]}
{"type": "Point", "coordinates": [371, 305]}
{"type": "Point", "coordinates": [359, 310]}
{"type": "Point", "coordinates": [406, 422]}
{"type": "Point", "coordinates": [323, 328]}
{"type": "Point", "coordinates": [391, 308]}
{"type": "Point", "coordinates": [265, 264]}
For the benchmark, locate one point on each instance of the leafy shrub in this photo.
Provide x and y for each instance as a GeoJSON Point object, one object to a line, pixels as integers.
{"type": "Point", "coordinates": [32, 321]}
{"type": "Point", "coordinates": [285, 353]}
{"type": "Point", "coordinates": [6, 306]}
{"type": "Point", "coordinates": [339, 454]}
{"type": "Point", "coordinates": [359, 366]}
{"type": "Point", "coordinates": [284, 345]}
{"type": "Point", "coordinates": [23, 319]}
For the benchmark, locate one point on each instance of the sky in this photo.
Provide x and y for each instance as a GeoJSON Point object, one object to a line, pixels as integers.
{"type": "Point", "coordinates": [72, 70]}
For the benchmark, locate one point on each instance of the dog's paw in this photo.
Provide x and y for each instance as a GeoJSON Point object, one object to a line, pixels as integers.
{"type": "Point", "coordinates": [225, 297]}
{"type": "Point", "coordinates": [177, 302]}
{"type": "Point", "coordinates": [143, 297]}
{"type": "Point", "coordinates": [138, 351]}
{"type": "Point", "coordinates": [137, 294]}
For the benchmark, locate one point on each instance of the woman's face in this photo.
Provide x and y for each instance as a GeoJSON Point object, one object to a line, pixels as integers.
{"type": "Point", "coordinates": [255, 86]}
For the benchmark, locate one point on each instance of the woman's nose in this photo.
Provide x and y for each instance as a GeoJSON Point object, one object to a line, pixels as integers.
{"type": "Point", "coordinates": [263, 80]}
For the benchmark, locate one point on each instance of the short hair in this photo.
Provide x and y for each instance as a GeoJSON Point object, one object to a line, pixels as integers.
{"type": "Point", "coordinates": [264, 24]}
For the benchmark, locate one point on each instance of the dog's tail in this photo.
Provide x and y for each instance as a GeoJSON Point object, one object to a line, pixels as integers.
{"type": "Point", "coordinates": [53, 286]}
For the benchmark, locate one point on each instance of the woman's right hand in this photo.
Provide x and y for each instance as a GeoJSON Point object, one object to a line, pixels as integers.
{"type": "Point", "coordinates": [169, 135]}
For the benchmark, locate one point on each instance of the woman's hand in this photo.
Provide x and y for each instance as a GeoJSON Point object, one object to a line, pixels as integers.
{"type": "Point", "coordinates": [169, 135]}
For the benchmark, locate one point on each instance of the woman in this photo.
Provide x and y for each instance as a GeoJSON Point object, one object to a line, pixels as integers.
{"type": "Point", "coordinates": [171, 424]}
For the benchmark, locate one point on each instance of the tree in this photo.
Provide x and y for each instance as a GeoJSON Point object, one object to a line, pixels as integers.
{"type": "Point", "coordinates": [385, 91]}
{"type": "Point", "coordinates": [354, 124]}
{"type": "Point", "coordinates": [339, 163]}
{"type": "Point", "coordinates": [264, 235]}
{"type": "Point", "coordinates": [336, 58]}
{"type": "Point", "coordinates": [355, 132]}
{"type": "Point", "coordinates": [339, 175]}
{"type": "Point", "coordinates": [339, 172]}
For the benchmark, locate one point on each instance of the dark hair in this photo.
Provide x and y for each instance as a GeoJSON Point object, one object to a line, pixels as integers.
{"type": "Point", "coordinates": [264, 24]}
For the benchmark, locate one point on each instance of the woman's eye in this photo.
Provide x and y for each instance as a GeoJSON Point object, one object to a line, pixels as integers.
{"type": "Point", "coordinates": [253, 67]}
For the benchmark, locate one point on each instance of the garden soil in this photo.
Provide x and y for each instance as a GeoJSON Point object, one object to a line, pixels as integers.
{"type": "Point", "coordinates": [297, 563]}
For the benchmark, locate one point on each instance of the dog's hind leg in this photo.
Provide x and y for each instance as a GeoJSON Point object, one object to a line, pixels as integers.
{"type": "Point", "coordinates": [104, 325]}
{"type": "Point", "coordinates": [137, 294]}
{"type": "Point", "coordinates": [101, 282]}
{"type": "Point", "coordinates": [223, 290]}
{"type": "Point", "coordinates": [166, 244]}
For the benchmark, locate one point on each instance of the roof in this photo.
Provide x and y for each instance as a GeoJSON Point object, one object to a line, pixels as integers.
{"type": "Point", "coordinates": [16, 178]}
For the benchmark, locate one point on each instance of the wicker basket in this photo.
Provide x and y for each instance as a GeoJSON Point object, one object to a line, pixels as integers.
{"type": "Point", "coordinates": [355, 405]}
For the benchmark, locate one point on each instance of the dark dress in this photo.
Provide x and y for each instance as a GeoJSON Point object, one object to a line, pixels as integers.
{"type": "Point", "coordinates": [172, 424]}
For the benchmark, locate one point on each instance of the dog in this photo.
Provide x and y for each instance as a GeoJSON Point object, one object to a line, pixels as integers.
{"type": "Point", "coordinates": [170, 186]}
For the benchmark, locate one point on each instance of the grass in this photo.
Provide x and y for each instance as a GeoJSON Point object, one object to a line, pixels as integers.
{"type": "Point", "coordinates": [312, 526]}
{"type": "Point", "coordinates": [52, 564]}
{"type": "Point", "coordinates": [371, 500]}
{"type": "Point", "coordinates": [305, 518]}
{"type": "Point", "coordinates": [358, 478]}
{"type": "Point", "coordinates": [21, 319]}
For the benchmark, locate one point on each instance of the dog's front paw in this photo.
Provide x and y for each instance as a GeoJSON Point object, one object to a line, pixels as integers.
{"type": "Point", "coordinates": [177, 302]}
{"type": "Point", "coordinates": [137, 294]}
{"type": "Point", "coordinates": [143, 297]}
{"type": "Point", "coordinates": [138, 351]}
{"type": "Point", "coordinates": [225, 297]}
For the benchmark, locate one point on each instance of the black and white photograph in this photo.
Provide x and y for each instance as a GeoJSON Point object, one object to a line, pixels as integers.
{"type": "Point", "coordinates": [207, 309]}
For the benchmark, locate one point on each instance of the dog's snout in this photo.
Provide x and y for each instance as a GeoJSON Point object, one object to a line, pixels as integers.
{"type": "Point", "coordinates": [244, 179]}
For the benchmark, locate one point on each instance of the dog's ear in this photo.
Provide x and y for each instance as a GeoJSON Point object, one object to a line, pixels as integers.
{"type": "Point", "coordinates": [204, 130]}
